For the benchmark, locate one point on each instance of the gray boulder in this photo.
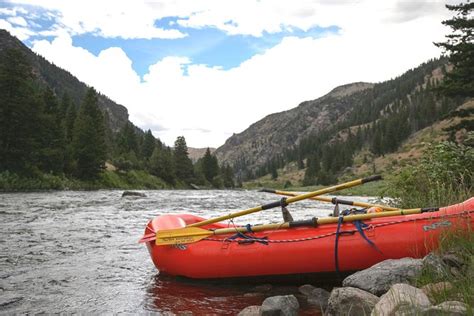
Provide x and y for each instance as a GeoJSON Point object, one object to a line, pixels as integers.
{"type": "Point", "coordinates": [319, 298]}
{"type": "Point", "coordinates": [401, 299]}
{"type": "Point", "coordinates": [306, 289]}
{"type": "Point", "coordinates": [434, 290]}
{"type": "Point", "coordinates": [453, 308]}
{"type": "Point", "coordinates": [253, 310]}
{"type": "Point", "coordinates": [453, 260]}
{"type": "Point", "coordinates": [435, 264]}
{"type": "Point", "coordinates": [133, 194]}
{"type": "Point", "coordinates": [380, 277]}
{"type": "Point", "coordinates": [350, 301]}
{"type": "Point", "coordinates": [284, 305]}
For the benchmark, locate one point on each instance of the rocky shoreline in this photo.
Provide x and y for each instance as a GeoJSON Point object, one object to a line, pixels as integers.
{"type": "Point", "coordinates": [387, 288]}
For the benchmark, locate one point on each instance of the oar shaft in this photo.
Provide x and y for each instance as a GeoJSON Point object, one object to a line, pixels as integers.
{"type": "Point", "coordinates": [334, 200]}
{"type": "Point", "coordinates": [194, 234]}
{"type": "Point", "coordinates": [315, 221]}
{"type": "Point", "coordinates": [289, 200]}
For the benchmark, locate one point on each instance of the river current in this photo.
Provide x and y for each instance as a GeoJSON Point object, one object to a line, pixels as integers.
{"type": "Point", "coordinates": [78, 251]}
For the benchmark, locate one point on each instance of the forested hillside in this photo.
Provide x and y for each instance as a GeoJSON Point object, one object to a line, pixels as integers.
{"type": "Point", "coordinates": [375, 118]}
{"type": "Point", "coordinates": [57, 133]}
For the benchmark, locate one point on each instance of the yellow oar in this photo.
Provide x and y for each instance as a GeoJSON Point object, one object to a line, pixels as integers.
{"type": "Point", "coordinates": [333, 200]}
{"type": "Point", "coordinates": [194, 234]}
{"type": "Point", "coordinates": [289, 200]}
{"type": "Point", "coordinates": [181, 233]}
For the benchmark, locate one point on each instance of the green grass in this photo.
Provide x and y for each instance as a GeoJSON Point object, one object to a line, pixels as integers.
{"type": "Point", "coordinates": [460, 243]}
{"type": "Point", "coordinates": [108, 180]}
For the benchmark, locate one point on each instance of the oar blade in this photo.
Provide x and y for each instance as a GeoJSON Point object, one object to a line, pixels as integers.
{"type": "Point", "coordinates": [184, 235]}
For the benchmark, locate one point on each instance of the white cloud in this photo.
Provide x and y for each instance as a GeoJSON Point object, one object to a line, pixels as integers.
{"type": "Point", "coordinates": [378, 40]}
{"type": "Point", "coordinates": [21, 32]}
{"type": "Point", "coordinates": [18, 20]}
{"type": "Point", "coordinates": [136, 19]}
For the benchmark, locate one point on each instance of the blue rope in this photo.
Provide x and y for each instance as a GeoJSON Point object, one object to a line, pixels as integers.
{"type": "Point", "coordinates": [360, 225]}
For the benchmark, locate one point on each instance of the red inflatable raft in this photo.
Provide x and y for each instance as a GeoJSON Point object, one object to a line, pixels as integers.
{"type": "Point", "coordinates": [303, 250]}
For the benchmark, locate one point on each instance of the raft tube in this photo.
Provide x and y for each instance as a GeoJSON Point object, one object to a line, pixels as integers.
{"type": "Point", "coordinates": [304, 250]}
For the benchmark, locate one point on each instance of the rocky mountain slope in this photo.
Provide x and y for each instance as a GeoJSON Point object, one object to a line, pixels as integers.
{"type": "Point", "coordinates": [62, 81]}
{"type": "Point", "coordinates": [279, 131]}
{"type": "Point", "coordinates": [335, 129]}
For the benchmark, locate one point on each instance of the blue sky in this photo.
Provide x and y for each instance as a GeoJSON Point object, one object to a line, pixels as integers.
{"type": "Point", "coordinates": [208, 46]}
{"type": "Point", "coordinates": [206, 69]}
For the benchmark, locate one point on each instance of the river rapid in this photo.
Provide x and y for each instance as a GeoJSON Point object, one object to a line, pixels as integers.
{"type": "Point", "coordinates": [78, 251]}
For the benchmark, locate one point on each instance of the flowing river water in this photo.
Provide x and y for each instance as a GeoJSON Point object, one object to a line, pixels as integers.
{"type": "Point", "coordinates": [78, 252]}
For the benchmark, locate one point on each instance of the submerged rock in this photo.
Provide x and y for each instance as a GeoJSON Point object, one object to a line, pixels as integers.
{"type": "Point", "coordinates": [133, 193]}
{"type": "Point", "coordinates": [350, 301]}
{"type": "Point", "coordinates": [380, 277]}
{"type": "Point", "coordinates": [402, 299]}
{"type": "Point", "coordinates": [284, 305]}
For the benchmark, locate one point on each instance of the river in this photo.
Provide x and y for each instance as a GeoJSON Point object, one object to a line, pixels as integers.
{"type": "Point", "coordinates": [77, 251]}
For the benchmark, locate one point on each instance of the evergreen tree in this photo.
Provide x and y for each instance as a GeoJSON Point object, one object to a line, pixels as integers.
{"type": "Point", "coordinates": [148, 146]}
{"type": "Point", "coordinates": [312, 170]}
{"type": "Point", "coordinates": [19, 113]}
{"type": "Point", "coordinates": [210, 166]}
{"type": "Point", "coordinates": [88, 142]}
{"type": "Point", "coordinates": [184, 166]}
{"type": "Point", "coordinates": [273, 171]}
{"type": "Point", "coordinates": [228, 176]}
{"type": "Point", "coordinates": [460, 49]}
{"type": "Point", "coordinates": [127, 140]}
{"type": "Point", "coordinates": [51, 152]}
{"type": "Point", "coordinates": [161, 164]}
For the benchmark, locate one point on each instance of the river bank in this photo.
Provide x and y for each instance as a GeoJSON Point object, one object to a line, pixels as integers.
{"type": "Point", "coordinates": [439, 284]}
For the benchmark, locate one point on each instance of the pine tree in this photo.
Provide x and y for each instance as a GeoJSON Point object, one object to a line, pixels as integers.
{"type": "Point", "coordinates": [210, 166]}
{"type": "Point", "coordinates": [312, 171]}
{"type": "Point", "coordinates": [460, 49]}
{"type": "Point", "coordinates": [88, 143]}
{"type": "Point", "coordinates": [148, 145]}
{"type": "Point", "coordinates": [51, 152]}
{"type": "Point", "coordinates": [161, 164]}
{"type": "Point", "coordinates": [184, 166]}
{"type": "Point", "coordinates": [228, 176]}
{"type": "Point", "coordinates": [19, 113]}
{"type": "Point", "coordinates": [127, 140]}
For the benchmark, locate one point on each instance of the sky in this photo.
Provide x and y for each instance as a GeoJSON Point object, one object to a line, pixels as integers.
{"type": "Point", "coordinates": [206, 69]}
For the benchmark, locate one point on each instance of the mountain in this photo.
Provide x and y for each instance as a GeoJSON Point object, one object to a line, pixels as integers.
{"type": "Point", "coordinates": [329, 132]}
{"type": "Point", "coordinates": [196, 153]}
{"type": "Point", "coordinates": [62, 82]}
{"type": "Point", "coordinates": [276, 132]}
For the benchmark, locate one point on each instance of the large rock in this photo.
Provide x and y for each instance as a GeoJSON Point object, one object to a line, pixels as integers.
{"type": "Point", "coordinates": [452, 308]}
{"type": "Point", "coordinates": [253, 310]}
{"type": "Point", "coordinates": [306, 289]}
{"type": "Point", "coordinates": [133, 194]}
{"type": "Point", "coordinates": [380, 277]}
{"type": "Point", "coordinates": [319, 298]}
{"type": "Point", "coordinates": [350, 301]}
{"type": "Point", "coordinates": [435, 264]}
{"type": "Point", "coordinates": [434, 290]}
{"type": "Point", "coordinates": [284, 305]}
{"type": "Point", "coordinates": [401, 299]}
